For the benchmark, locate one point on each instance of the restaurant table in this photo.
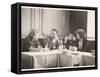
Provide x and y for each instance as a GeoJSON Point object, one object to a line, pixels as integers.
{"type": "Point", "coordinates": [76, 58]}
{"type": "Point", "coordinates": [56, 58]}
{"type": "Point", "coordinates": [46, 59]}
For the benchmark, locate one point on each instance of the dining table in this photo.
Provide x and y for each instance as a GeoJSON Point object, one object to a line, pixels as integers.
{"type": "Point", "coordinates": [43, 58]}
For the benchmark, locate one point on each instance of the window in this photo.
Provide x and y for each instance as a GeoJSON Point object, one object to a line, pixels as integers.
{"type": "Point", "coordinates": [91, 25]}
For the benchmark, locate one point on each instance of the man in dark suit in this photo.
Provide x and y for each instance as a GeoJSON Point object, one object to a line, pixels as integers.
{"type": "Point", "coordinates": [81, 42]}
{"type": "Point", "coordinates": [30, 41]}
{"type": "Point", "coordinates": [53, 40]}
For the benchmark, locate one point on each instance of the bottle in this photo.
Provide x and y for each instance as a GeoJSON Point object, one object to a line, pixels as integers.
{"type": "Point", "coordinates": [60, 44]}
{"type": "Point", "coordinates": [31, 48]}
{"type": "Point", "coordinates": [40, 47]}
{"type": "Point", "coordinates": [46, 48]}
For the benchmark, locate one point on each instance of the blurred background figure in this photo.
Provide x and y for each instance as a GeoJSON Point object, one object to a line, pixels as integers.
{"type": "Point", "coordinates": [81, 42]}
{"type": "Point", "coordinates": [53, 40]}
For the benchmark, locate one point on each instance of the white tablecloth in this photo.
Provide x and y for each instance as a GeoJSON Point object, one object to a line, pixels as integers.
{"type": "Point", "coordinates": [60, 58]}
{"type": "Point", "coordinates": [71, 58]}
{"type": "Point", "coordinates": [44, 59]}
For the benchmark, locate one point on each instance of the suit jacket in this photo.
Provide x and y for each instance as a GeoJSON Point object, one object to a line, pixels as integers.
{"type": "Point", "coordinates": [26, 44]}
{"type": "Point", "coordinates": [84, 45]}
{"type": "Point", "coordinates": [52, 44]}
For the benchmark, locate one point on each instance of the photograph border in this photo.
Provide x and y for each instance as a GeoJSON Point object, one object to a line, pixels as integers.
{"type": "Point", "coordinates": [16, 51]}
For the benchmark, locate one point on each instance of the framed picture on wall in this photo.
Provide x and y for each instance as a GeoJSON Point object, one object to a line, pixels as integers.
{"type": "Point", "coordinates": [49, 38]}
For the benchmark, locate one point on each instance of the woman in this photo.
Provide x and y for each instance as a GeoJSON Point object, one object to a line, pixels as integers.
{"type": "Point", "coordinates": [69, 41]}
{"type": "Point", "coordinates": [81, 42]}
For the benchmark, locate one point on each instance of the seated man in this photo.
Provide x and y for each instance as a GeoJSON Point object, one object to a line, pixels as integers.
{"type": "Point", "coordinates": [81, 42]}
{"type": "Point", "coordinates": [30, 41]}
{"type": "Point", "coordinates": [53, 40]}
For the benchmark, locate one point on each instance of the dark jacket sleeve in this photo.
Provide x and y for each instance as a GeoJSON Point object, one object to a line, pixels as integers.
{"type": "Point", "coordinates": [84, 46]}
{"type": "Point", "coordinates": [25, 44]}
